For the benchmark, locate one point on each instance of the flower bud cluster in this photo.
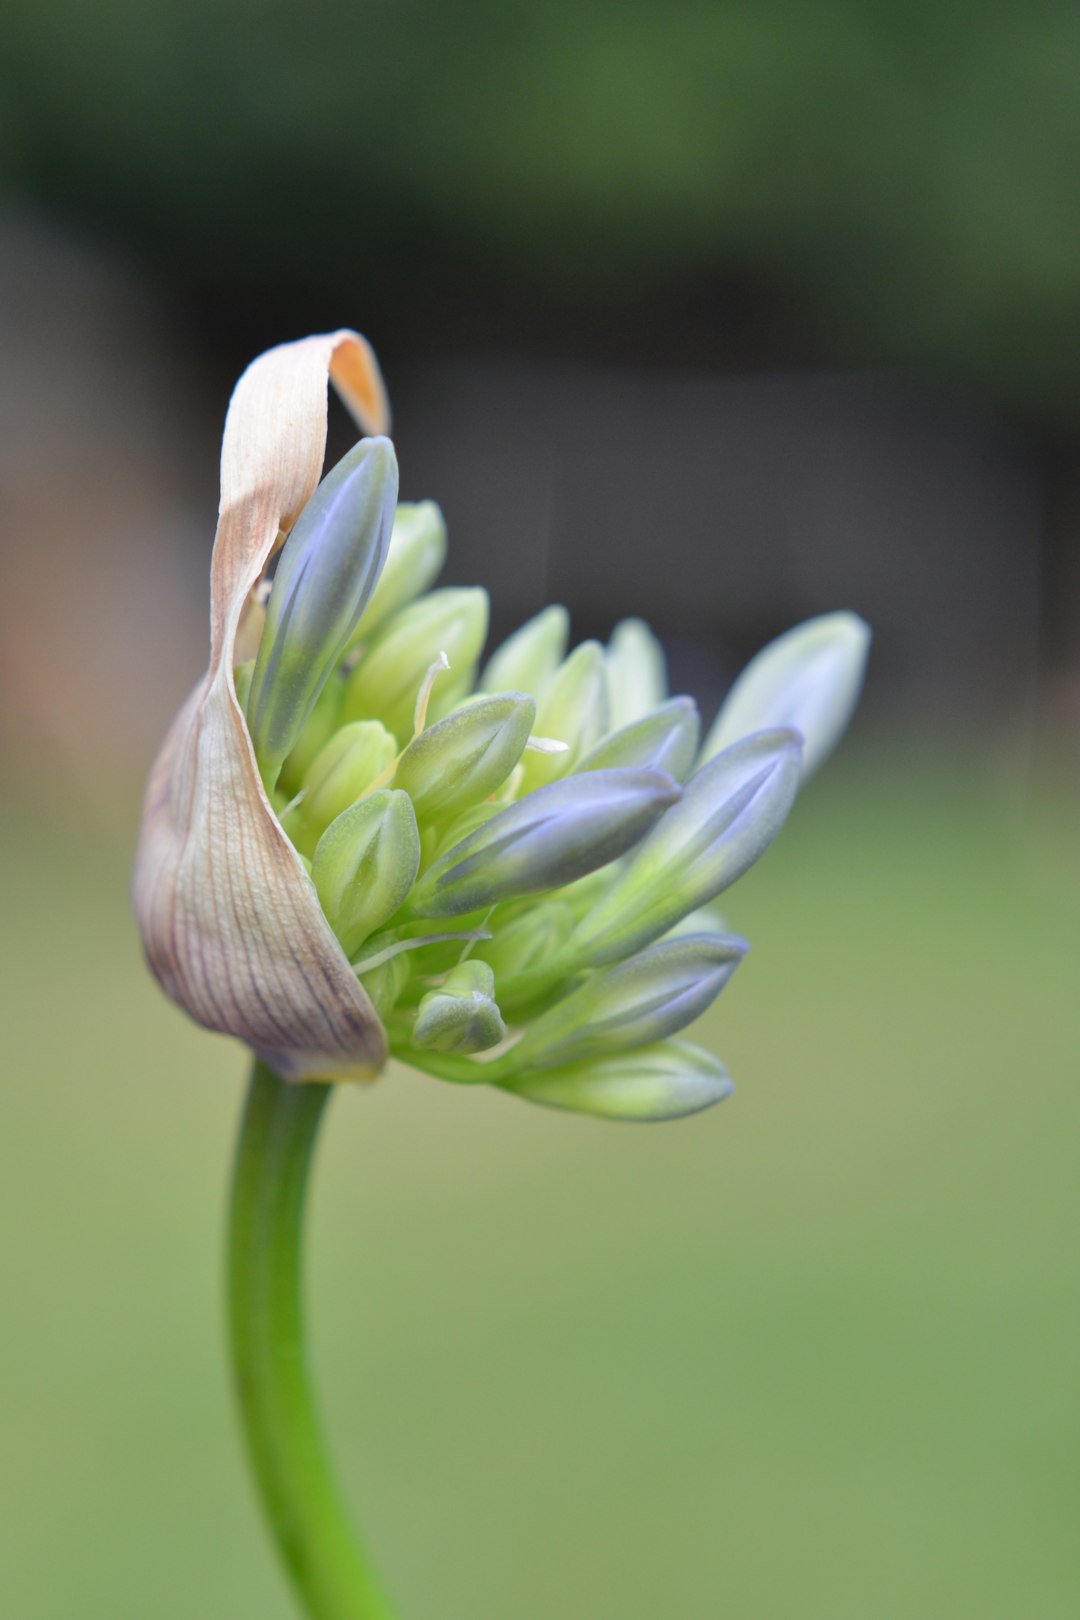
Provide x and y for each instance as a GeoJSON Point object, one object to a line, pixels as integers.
{"type": "Point", "coordinates": [517, 855]}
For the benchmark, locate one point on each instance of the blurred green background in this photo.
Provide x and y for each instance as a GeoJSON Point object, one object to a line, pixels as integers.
{"type": "Point", "coordinates": [813, 1353]}
{"type": "Point", "coordinates": [729, 314]}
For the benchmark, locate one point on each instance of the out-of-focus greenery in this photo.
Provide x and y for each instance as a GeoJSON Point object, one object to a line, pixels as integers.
{"type": "Point", "coordinates": [813, 1354]}
{"type": "Point", "coordinates": [904, 176]}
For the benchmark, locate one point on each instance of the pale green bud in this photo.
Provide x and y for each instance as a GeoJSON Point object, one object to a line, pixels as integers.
{"type": "Point", "coordinates": [729, 813]}
{"type": "Point", "coordinates": [320, 726]}
{"type": "Point", "coordinates": [461, 1015]}
{"type": "Point", "coordinates": [809, 678]}
{"type": "Point", "coordinates": [242, 681]}
{"type": "Point", "coordinates": [636, 1003]}
{"type": "Point", "coordinates": [572, 710]}
{"type": "Point", "coordinates": [553, 836]}
{"type": "Point", "coordinates": [385, 984]}
{"type": "Point", "coordinates": [655, 1083]}
{"type": "Point", "coordinates": [528, 941]}
{"type": "Point", "coordinates": [665, 739]}
{"type": "Point", "coordinates": [343, 769]}
{"type": "Point", "coordinates": [462, 759]}
{"type": "Point", "coordinates": [706, 920]}
{"type": "Point", "coordinates": [444, 837]}
{"type": "Point", "coordinates": [325, 576]}
{"type": "Point", "coordinates": [636, 672]}
{"type": "Point", "coordinates": [364, 865]}
{"type": "Point", "coordinates": [417, 553]}
{"type": "Point", "coordinates": [386, 682]}
{"type": "Point", "coordinates": [528, 659]}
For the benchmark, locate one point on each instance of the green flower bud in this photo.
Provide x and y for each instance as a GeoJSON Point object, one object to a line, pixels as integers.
{"type": "Point", "coordinates": [386, 682]}
{"type": "Point", "coordinates": [342, 770]}
{"type": "Point", "coordinates": [365, 864]}
{"type": "Point", "coordinates": [529, 658]}
{"type": "Point", "coordinates": [636, 672]}
{"type": "Point", "coordinates": [809, 678]}
{"type": "Point", "coordinates": [573, 710]}
{"type": "Point", "coordinates": [462, 1015]}
{"type": "Point", "coordinates": [242, 681]}
{"type": "Point", "coordinates": [729, 813]}
{"type": "Point", "coordinates": [665, 739]}
{"type": "Point", "coordinates": [706, 920]}
{"type": "Point", "coordinates": [320, 726]}
{"type": "Point", "coordinates": [636, 1003]}
{"type": "Point", "coordinates": [526, 942]}
{"type": "Point", "coordinates": [660, 1082]}
{"type": "Point", "coordinates": [417, 553]}
{"type": "Point", "coordinates": [462, 759]}
{"type": "Point", "coordinates": [549, 838]}
{"type": "Point", "coordinates": [386, 983]}
{"type": "Point", "coordinates": [325, 576]}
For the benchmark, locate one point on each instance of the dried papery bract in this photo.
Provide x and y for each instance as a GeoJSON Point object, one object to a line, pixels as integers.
{"type": "Point", "coordinates": [229, 918]}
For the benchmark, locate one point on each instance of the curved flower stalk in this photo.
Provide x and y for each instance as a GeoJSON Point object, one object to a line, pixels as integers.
{"type": "Point", "coordinates": [361, 839]}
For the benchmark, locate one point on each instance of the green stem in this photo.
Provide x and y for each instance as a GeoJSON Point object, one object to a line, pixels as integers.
{"type": "Point", "coordinates": [303, 1507]}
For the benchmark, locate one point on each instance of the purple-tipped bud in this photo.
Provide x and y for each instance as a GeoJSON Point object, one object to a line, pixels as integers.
{"type": "Point", "coordinates": [656, 1083]}
{"type": "Point", "coordinates": [635, 1003]}
{"type": "Point", "coordinates": [551, 837]}
{"type": "Point", "coordinates": [325, 576]}
{"type": "Point", "coordinates": [729, 813]}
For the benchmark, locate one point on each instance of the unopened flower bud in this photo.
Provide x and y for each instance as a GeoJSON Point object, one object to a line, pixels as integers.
{"type": "Point", "coordinates": [665, 739]}
{"type": "Point", "coordinates": [636, 1003]}
{"type": "Point", "coordinates": [417, 553]}
{"type": "Point", "coordinates": [636, 671]}
{"type": "Point", "coordinates": [573, 709]}
{"type": "Point", "coordinates": [461, 1015]}
{"type": "Point", "coordinates": [528, 659]}
{"type": "Point", "coordinates": [344, 768]}
{"type": "Point", "coordinates": [365, 864]}
{"type": "Point", "coordinates": [387, 680]}
{"type": "Point", "coordinates": [809, 678]}
{"type": "Point", "coordinates": [656, 1083]}
{"type": "Point", "coordinates": [242, 680]}
{"type": "Point", "coordinates": [528, 941]}
{"type": "Point", "coordinates": [325, 576]}
{"type": "Point", "coordinates": [461, 760]}
{"type": "Point", "coordinates": [385, 982]}
{"type": "Point", "coordinates": [319, 727]}
{"type": "Point", "coordinates": [729, 812]}
{"type": "Point", "coordinates": [549, 838]}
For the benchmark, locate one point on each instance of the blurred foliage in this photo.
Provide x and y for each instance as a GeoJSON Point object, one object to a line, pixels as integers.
{"type": "Point", "coordinates": [902, 177]}
{"type": "Point", "coordinates": [812, 1354]}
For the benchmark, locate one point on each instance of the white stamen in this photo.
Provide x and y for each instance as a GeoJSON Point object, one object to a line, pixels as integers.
{"type": "Point", "coordinates": [547, 745]}
{"type": "Point", "coordinates": [423, 697]}
{"type": "Point", "coordinates": [365, 964]}
{"type": "Point", "coordinates": [467, 952]}
{"type": "Point", "coordinates": [293, 802]}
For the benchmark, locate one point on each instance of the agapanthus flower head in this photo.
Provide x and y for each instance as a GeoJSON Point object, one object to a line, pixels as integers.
{"type": "Point", "coordinates": [363, 839]}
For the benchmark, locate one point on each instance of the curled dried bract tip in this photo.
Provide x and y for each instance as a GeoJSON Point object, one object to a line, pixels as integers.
{"type": "Point", "coordinates": [230, 920]}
